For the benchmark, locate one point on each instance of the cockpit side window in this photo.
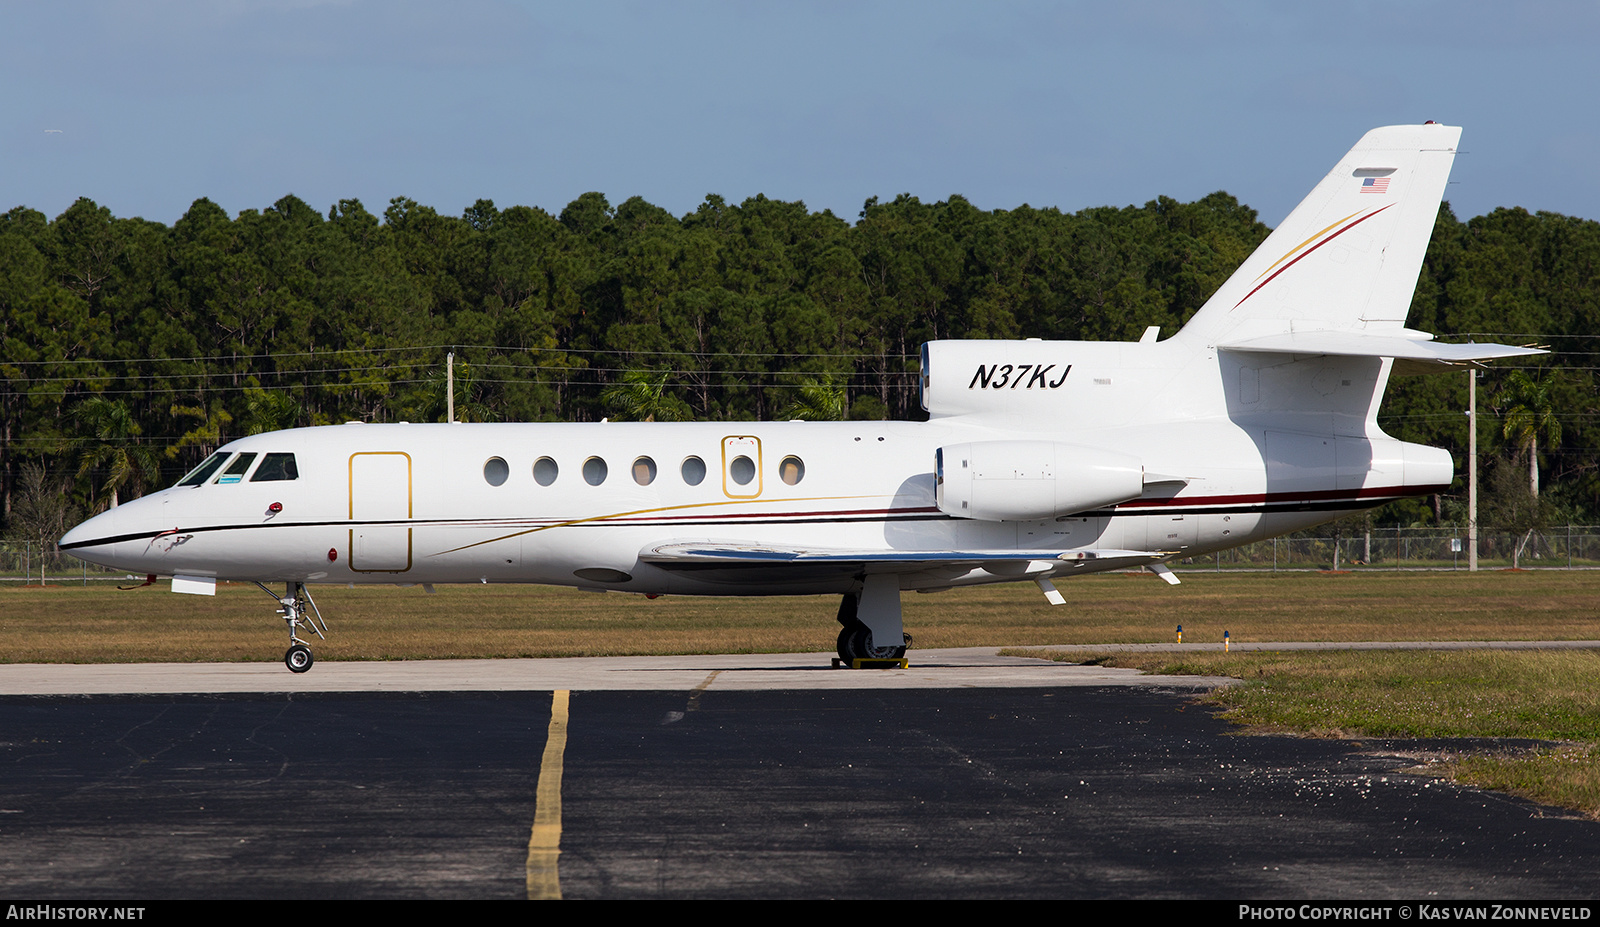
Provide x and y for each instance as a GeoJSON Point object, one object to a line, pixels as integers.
{"type": "Point", "coordinates": [276, 467]}
{"type": "Point", "coordinates": [237, 469]}
{"type": "Point", "coordinates": [203, 472]}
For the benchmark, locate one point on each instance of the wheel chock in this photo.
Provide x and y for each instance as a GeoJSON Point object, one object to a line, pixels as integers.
{"type": "Point", "coordinates": [865, 663]}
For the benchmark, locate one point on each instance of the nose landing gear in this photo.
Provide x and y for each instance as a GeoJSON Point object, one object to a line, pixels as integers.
{"type": "Point", "coordinates": [298, 610]}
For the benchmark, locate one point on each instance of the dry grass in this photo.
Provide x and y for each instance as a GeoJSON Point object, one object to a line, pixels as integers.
{"type": "Point", "coordinates": [101, 624]}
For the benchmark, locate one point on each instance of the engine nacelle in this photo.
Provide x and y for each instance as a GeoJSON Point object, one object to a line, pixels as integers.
{"type": "Point", "coordinates": [1029, 480]}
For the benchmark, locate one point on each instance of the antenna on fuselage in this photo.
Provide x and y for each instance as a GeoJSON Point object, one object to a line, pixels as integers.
{"type": "Point", "coordinates": [450, 387]}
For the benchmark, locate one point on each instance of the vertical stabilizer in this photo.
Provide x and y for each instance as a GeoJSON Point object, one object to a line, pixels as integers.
{"type": "Point", "coordinates": [1347, 258]}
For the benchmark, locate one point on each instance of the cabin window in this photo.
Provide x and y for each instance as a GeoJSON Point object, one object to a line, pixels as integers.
{"type": "Point", "coordinates": [594, 471]}
{"type": "Point", "coordinates": [236, 470]}
{"type": "Point", "coordinates": [743, 470]}
{"type": "Point", "coordinates": [694, 471]}
{"type": "Point", "coordinates": [276, 467]}
{"type": "Point", "coordinates": [644, 471]}
{"type": "Point", "coordinates": [203, 472]}
{"type": "Point", "coordinates": [495, 471]}
{"type": "Point", "coordinates": [792, 470]}
{"type": "Point", "coordinates": [545, 471]}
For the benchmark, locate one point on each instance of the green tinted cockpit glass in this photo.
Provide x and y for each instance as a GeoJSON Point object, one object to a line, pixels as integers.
{"type": "Point", "coordinates": [203, 472]}
{"type": "Point", "coordinates": [276, 467]}
{"type": "Point", "coordinates": [236, 470]}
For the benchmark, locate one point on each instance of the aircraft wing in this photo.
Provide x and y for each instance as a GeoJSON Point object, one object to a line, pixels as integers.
{"type": "Point", "coordinates": [744, 562]}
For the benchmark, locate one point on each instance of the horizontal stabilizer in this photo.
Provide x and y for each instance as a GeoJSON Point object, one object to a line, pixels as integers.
{"type": "Point", "coordinates": [1419, 354]}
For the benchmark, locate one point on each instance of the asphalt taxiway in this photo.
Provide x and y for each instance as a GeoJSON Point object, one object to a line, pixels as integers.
{"type": "Point", "coordinates": [967, 776]}
{"type": "Point", "coordinates": [955, 667]}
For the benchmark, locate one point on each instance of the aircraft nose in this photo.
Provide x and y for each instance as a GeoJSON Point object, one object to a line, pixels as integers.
{"type": "Point", "coordinates": [93, 540]}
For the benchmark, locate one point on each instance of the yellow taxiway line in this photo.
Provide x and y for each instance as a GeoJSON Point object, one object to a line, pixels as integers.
{"type": "Point", "coordinates": [544, 845]}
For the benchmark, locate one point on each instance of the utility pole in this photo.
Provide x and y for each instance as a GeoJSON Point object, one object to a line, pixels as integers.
{"type": "Point", "coordinates": [1472, 469]}
{"type": "Point", "coordinates": [450, 387]}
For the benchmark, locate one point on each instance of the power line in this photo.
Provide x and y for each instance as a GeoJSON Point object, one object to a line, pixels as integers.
{"type": "Point", "coordinates": [449, 347]}
{"type": "Point", "coordinates": [280, 374]}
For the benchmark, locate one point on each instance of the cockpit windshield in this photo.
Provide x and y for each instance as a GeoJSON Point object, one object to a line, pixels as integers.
{"type": "Point", "coordinates": [236, 470]}
{"type": "Point", "coordinates": [276, 467]}
{"type": "Point", "coordinates": [203, 472]}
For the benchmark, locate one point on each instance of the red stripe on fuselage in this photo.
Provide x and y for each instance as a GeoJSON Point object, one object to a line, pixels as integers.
{"type": "Point", "coordinates": [1278, 498]}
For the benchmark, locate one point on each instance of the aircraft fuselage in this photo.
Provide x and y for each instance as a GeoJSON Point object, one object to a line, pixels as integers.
{"type": "Point", "coordinates": [579, 504]}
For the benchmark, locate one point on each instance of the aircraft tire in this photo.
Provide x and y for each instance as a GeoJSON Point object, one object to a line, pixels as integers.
{"type": "Point", "coordinates": [844, 641]}
{"type": "Point", "coordinates": [298, 658]}
{"type": "Point", "coordinates": [855, 643]}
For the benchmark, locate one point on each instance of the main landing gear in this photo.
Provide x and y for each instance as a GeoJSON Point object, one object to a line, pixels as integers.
{"type": "Point", "coordinates": [871, 615]}
{"type": "Point", "coordinates": [298, 610]}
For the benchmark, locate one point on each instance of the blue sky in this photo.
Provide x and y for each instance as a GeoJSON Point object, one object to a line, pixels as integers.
{"type": "Point", "coordinates": [146, 106]}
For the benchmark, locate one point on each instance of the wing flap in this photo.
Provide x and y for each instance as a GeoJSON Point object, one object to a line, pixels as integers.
{"type": "Point", "coordinates": [715, 555]}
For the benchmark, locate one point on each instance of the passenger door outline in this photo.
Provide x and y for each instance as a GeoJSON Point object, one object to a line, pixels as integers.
{"type": "Point", "coordinates": [734, 447]}
{"type": "Point", "coordinates": [380, 493]}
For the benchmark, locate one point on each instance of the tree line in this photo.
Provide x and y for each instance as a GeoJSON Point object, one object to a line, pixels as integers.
{"type": "Point", "coordinates": [132, 349]}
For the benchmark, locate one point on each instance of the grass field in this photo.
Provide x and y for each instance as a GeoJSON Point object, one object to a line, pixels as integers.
{"type": "Point", "coordinates": [100, 624]}
{"type": "Point", "coordinates": [1549, 696]}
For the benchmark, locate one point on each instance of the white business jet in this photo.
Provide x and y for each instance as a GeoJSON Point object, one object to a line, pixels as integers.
{"type": "Point", "coordinates": [1040, 459]}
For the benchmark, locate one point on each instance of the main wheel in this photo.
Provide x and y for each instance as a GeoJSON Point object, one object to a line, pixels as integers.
{"type": "Point", "coordinates": [844, 644]}
{"type": "Point", "coordinates": [298, 658]}
{"type": "Point", "coordinates": [855, 643]}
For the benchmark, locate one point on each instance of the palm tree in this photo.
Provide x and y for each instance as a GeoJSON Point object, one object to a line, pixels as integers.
{"type": "Point", "coordinates": [269, 410]}
{"type": "Point", "coordinates": [642, 397]}
{"type": "Point", "coordinates": [820, 401]}
{"type": "Point", "coordinates": [112, 442]}
{"type": "Point", "coordinates": [1531, 413]}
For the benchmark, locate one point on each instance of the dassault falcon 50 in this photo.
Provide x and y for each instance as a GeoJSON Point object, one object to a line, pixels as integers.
{"type": "Point", "coordinates": [1040, 459]}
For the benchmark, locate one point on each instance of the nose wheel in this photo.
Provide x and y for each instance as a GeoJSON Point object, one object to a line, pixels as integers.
{"type": "Point", "coordinates": [298, 611]}
{"type": "Point", "coordinates": [298, 659]}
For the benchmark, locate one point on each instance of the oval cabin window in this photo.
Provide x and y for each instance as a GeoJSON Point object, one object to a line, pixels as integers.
{"type": "Point", "coordinates": [545, 471]}
{"type": "Point", "coordinates": [792, 470]}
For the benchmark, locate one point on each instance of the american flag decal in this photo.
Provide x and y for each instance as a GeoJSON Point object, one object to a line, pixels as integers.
{"type": "Point", "coordinates": [1375, 185]}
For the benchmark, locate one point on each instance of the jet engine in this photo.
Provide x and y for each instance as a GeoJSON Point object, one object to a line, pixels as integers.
{"type": "Point", "coordinates": [1028, 480]}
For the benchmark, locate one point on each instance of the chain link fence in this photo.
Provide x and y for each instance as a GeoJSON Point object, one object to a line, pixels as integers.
{"type": "Point", "coordinates": [25, 563]}
{"type": "Point", "coordinates": [1567, 547]}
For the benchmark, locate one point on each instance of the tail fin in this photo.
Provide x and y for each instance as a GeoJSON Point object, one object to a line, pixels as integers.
{"type": "Point", "coordinates": [1347, 258]}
